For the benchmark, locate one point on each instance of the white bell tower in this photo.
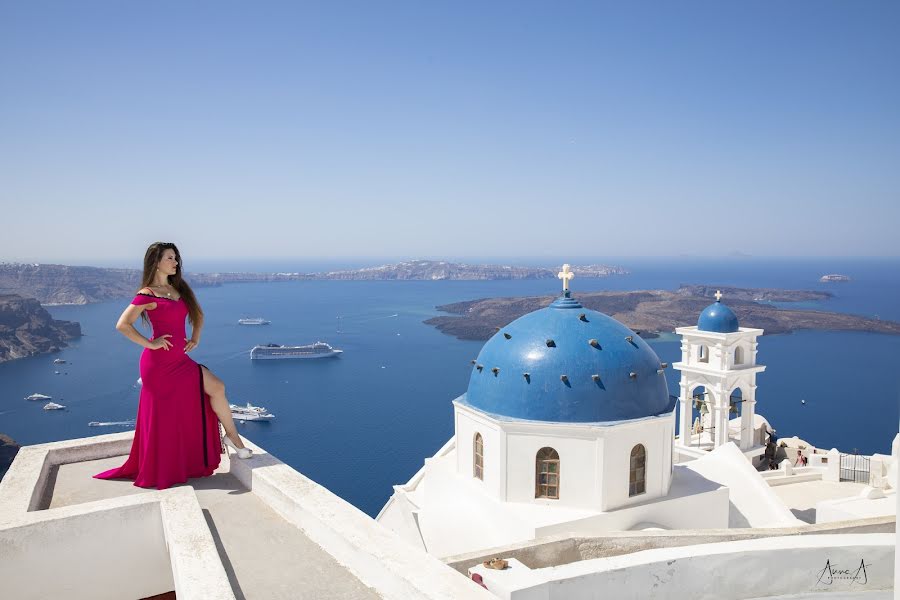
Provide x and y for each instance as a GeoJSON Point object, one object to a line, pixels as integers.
{"type": "Point", "coordinates": [719, 356]}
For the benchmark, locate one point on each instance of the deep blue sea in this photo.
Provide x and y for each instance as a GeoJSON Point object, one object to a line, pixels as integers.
{"type": "Point", "coordinates": [365, 421]}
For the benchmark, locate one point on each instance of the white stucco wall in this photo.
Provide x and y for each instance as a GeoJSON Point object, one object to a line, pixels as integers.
{"type": "Point", "coordinates": [734, 570]}
{"type": "Point", "coordinates": [701, 510]}
{"type": "Point", "coordinates": [594, 460]}
{"type": "Point", "coordinates": [95, 561]}
{"type": "Point", "coordinates": [656, 435]}
{"type": "Point", "coordinates": [468, 423]}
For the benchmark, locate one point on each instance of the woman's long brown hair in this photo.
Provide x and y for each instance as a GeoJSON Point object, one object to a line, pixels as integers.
{"type": "Point", "coordinates": [151, 260]}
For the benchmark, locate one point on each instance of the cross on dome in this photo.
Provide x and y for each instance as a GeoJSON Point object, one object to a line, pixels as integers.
{"type": "Point", "coordinates": [566, 274]}
{"type": "Point", "coordinates": [718, 295]}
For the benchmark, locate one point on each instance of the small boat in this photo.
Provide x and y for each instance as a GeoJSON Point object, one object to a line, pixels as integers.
{"type": "Point", "coordinates": [803, 402]}
{"type": "Point", "coordinates": [277, 351]}
{"type": "Point", "coordinates": [254, 321]}
{"type": "Point", "coordinates": [53, 406]}
{"type": "Point", "coordinates": [129, 423]}
{"type": "Point", "coordinates": [39, 397]}
{"type": "Point", "coordinates": [59, 361]}
{"type": "Point", "coordinates": [139, 382]}
{"type": "Point", "coordinates": [56, 372]}
{"type": "Point", "coordinates": [250, 413]}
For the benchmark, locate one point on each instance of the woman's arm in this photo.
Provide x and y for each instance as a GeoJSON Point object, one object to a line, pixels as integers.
{"type": "Point", "coordinates": [195, 335]}
{"type": "Point", "coordinates": [125, 326]}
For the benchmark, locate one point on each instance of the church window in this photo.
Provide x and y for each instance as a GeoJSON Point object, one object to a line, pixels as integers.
{"type": "Point", "coordinates": [704, 354]}
{"type": "Point", "coordinates": [637, 477]}
{"type": "Point", "coordinates": [546, 483]}
{"type": "Point", "coordinates": [738, 356]}
{"type": "Point", "coordinates": [478, 457]}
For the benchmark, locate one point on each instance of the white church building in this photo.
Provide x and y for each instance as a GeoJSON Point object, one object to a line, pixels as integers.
{"type": "Point", "coordinates": [567, 425]}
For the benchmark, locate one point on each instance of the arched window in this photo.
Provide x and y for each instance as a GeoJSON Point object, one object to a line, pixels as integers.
{"type": "Point", "coordinates": [546, 481]}
{"type": "Point", "coordinates": [637, 474]}
{"type": "Point", "coordinates": [478, 457]}
{"type": "Point", "coordinates": [738, 356]}
{"type": "Point", "coordinates": [703, 354]}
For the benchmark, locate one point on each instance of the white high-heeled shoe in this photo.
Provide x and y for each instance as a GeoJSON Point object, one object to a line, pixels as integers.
{"type": "Point", "coordinates": [241, 452]}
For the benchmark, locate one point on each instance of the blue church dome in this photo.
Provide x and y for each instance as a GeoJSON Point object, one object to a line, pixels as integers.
{"type": "Point", "coordinates": [565, 363]}
{"type": "Point", "coordinates": [718, 317]}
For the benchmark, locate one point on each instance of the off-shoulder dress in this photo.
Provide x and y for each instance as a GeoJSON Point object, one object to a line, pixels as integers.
{"type": "Point", "coordinates": [176, 434]}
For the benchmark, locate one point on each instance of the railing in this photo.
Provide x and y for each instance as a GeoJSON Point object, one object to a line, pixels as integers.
{"type": "Point", "coordinates": [855, 467]}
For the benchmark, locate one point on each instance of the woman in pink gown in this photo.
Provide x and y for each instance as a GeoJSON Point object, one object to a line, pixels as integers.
{"type": "Point", "coordinates": [176, 436]}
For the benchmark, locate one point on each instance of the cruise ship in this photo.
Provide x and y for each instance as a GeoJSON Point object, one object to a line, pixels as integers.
{"type": "Point", "coordinates": [39, 397]}
{"type": "Point", "coordinates": [277, 351]}
{"type": "Point", "coordinates": [250, 413]}
{"type": "Point", "coordinates": [254, 321]}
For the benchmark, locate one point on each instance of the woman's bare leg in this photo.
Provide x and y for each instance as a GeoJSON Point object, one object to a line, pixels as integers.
{"type": "Point", "coordinates": [213, 386]}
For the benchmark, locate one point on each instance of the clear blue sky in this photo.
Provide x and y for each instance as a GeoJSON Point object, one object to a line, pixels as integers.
{"type": "Point", "coordinates": [333, 129]}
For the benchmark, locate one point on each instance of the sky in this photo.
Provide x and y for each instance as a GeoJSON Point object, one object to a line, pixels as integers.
{"type": "Point", "coordinates": [325, 130]}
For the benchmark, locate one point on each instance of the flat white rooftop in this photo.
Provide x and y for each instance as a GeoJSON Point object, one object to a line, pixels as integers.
{"type": "Point", "coordinates": [255, 529]}
{"type": "Point", "coordinates": [263, 555]}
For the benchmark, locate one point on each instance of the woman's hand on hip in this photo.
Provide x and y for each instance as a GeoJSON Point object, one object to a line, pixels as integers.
{"type": "Point", "coordinates": [161, 342]}
{"type": "Point", "coordinates": [191, 344]}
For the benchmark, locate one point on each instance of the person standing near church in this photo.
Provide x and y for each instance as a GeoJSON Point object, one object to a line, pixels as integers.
{"type": "Point", "coordinates": [182, 402]}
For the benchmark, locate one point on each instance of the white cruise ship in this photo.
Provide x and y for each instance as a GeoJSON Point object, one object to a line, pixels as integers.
{"type": "Point", "coordinates": [250, 413]}
{"type": "Point", "coordinates": [276, 351]}
{"type": "Point", "coordinates": [254, 321]}
{"type": "Point", "coordinates": [39, 397]}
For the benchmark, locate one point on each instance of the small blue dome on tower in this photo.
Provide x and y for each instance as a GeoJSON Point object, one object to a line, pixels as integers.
{"type": "Point", "coordinates": [717, 317]}
{"type": "Point", "coordinates": [565, 363]}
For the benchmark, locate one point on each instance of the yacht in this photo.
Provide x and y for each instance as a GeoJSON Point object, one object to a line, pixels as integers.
{"type": "Point", "coordinates": [250, 413]}
{"type": "Point", "coordinates": [59, 361]}
{"type": "Point", "coordinates": [39, 397]}
{"type": "Point", "coordinates": [277, 351]}
{"type": "Point", "coordinates": [129, 423]}
{"type": "Point", "coordinates": [254, 321]}
{"type": "Point", "coordinates": [53, 406]}
{"type": "Point", "coordinates": [832, 277]}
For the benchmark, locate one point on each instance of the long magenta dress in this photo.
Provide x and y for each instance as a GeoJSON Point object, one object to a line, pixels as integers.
{"type": "Point", "coordinates": [176, 435]}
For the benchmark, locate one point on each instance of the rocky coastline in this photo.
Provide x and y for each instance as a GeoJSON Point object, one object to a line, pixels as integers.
{"type": "Point", "coordinates": [63, 284]}
{"type": "Point", "coordinates": [653, 312]}
{"type": "Point", "coordinates": [27, 329]}
{"type": "Point", "coordinates": [8, 450]}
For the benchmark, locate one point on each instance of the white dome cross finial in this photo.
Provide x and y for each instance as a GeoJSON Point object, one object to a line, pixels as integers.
{"type": "Point", "coordinates": [566, 274]}
{"type": "Point", "coordinates": [718, 295]}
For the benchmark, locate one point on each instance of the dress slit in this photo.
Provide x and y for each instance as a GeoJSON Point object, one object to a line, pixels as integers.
{"type": "Point", "coordinates": [203, 416]}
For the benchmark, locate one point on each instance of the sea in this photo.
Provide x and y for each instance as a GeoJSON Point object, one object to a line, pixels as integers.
{"type": "Point", "coordinates": [365, 421]}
